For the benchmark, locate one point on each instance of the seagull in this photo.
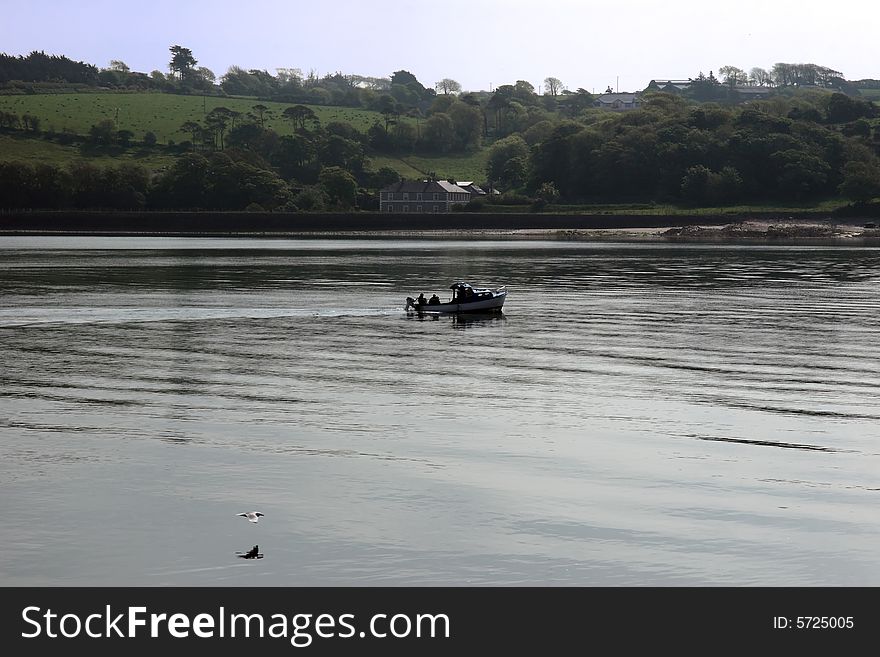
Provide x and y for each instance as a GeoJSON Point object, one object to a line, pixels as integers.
{"type": "Point", "coordinates": [253, 516]}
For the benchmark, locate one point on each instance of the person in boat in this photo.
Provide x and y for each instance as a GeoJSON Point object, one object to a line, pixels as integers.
{"type": "Point", "coordinates": [421, 300]}
{"type": "Point", "coordinates": [434, 300]}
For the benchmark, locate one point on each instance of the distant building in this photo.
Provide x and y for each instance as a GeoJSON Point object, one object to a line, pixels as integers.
{"type": "Point", "coordinates": [668, 85]}
{"type": "Point", "coordinates": [747, 92]}
{"type": "Point", "coordinates": [423, 196]}
{"type": "Point", "coordinates": [618, 102]}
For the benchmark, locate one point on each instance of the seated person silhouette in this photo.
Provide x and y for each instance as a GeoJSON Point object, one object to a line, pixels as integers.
{"type": "Point", "coordinates": [434, 301]}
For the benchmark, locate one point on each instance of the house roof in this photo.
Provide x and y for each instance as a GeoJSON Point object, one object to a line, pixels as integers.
{"type": "Point", "coordinates": [424, 186]}
{"type": "Point", "coordinates": [622, 97]}
{"type": "Point", "coordinates": [451, 188]}
{"type": "Point", "coordinates": [756, 91]}
{"type": "Point", "coordinates": [681, 85]}
{"type": "Point", "coordinates": [469, 186]}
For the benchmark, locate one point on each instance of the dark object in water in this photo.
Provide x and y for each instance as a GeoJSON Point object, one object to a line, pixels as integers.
{"type": "Point", "coordinates": [253, 553]}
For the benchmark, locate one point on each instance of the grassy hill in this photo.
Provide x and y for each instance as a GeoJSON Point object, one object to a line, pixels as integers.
{"type": "Point", "coordinates": [164, 114]}
{"type": "Point", "coordinates": [17, 147]}
{"type": "Point", "coordinates": [471, 166]}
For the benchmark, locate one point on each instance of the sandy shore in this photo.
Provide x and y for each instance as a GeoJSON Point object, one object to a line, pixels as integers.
{"type": "Point", "coordinates": [754, 230]}
{"type": "Point", "coordinates": [746, 232]}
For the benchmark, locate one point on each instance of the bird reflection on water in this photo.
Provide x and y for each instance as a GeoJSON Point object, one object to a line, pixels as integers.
{"type": "Point", "coordinates": [253, 553]}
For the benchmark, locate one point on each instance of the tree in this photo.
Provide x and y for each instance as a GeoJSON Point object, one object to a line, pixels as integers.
{"type": "Point", "coordinates": [438, 132]}
{"type": "Point", "coordinates": [262, 112]}
{"type": "Point", "coordinates": [298, 115]}
{"type": "Point", "coordinates": [467, 124]}
{"type": "Point", "coordinates": [216, 121]}
{"type": "Point", "coordinates": [503, 151]}
{"type": "Point", "coordinates": [547, 192]}
{"type": "Point", "coordinates": [761, 77]}
{"type": "Point", "coordinates": [124, 137]}
{"type": "Point", "coordinates": [341, 152]}
{"type": "Point", "coordinates": [553, 86]}
{"type": "Point", "coordinates": [206, 75]}
{"type": "Point", "coordinates": [340, 186]}
{"type": "Point", "coordinates": [119, 66]}
{"type": "Point", "coordinates": [193, 129]}
{"type": "Point", "coordinates": [294, 158]}
{"type": "Point", "coordinates": [704, 89]}
{"type": "Point", "coordinates": [103, 133]}
{"type": "Point", "coordinates": [448, 86]}
{"type": "Point", "coordinates": [800, 173]}
{"type": "Point", "coordinates": [182, 61]}
{"type": "Point", "coordinates": [733, 75]}
{"type": "Point", "coordinates": [861, 180]}
{"type": "Point", "coordinates": [385, 176]}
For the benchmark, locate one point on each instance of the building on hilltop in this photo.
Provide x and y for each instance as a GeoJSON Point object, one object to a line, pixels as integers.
{"type": "Point", "coordinates": [422, 196]}
{"type": "Point", "coordinates": [618, 101]}
{"type": "Point", "coordinates": [747, 92]}
{"type": "Point", "coordinates": [668, 85]}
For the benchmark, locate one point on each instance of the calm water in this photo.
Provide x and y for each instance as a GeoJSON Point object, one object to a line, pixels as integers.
{"type": "Point", "coordinates": [639, 415]}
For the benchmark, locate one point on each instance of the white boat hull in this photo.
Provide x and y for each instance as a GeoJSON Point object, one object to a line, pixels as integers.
{"type": "Point", "coordinates": [494, 303]}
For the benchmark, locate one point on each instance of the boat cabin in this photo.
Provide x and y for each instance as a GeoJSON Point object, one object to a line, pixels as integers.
{"type": "Point", "coordinates": [464, 292]}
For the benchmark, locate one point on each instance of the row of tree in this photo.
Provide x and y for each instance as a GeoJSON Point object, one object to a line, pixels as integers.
{"type": "Point", "coordinates": [668, 151]}
{"type": "Point", "coordinates": [40, 67]}
{"type": "Point", "coordinates": [783, 74]}
{"type": "Point", "coordinates": [214, 181]}
{"type": "Point", "coordinates": [673, 151]}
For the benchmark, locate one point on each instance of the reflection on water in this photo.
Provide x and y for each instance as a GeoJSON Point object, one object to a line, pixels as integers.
{"type": "Point", "coordinates": [637, 415]}
{"type": "Point", "coordinates": [459, 320]}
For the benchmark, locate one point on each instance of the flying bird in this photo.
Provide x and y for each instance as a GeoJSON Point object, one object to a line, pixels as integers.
{"type": "Point", "coordinates": [253, 516]}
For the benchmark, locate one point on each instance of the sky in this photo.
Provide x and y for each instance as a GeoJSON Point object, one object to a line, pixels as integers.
{"type": "Point", "coordinates": [482, 44]}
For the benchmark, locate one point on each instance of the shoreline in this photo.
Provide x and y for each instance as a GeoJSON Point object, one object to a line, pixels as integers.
{"type": "Point", "coordinates": [719, 229]}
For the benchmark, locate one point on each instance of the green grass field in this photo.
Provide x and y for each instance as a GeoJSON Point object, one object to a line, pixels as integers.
{"type": "Point", "coordinates": [163, 114]}
{"type": "Point", "coordinates": [37, 151]}
{"type": "Point", "coordinates": [458, 167]}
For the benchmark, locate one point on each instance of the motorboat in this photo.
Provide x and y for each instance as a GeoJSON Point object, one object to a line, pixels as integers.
{"type": "Point", "coordinates": [465, 298]}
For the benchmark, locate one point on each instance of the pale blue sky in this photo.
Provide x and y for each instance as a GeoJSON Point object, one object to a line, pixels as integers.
{"type": "Point", "coordinates": [480, 43]}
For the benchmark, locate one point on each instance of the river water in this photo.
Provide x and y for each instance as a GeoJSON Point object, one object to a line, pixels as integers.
{"type": "Point", "coordinates": [639, 415]}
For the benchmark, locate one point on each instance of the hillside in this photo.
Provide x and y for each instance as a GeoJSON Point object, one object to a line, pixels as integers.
{"type": "Point", "coordinates": [164, 114]}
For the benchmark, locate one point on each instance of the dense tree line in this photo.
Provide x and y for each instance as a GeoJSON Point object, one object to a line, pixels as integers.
{"type": "Point", "coordinates": [196, 181]}
{"type": "Point", "coordinates": [40, 67]}
{"type": "Point", "coordinates": [709, 154]}
{"type": "Point", "coordinates": [799, 148]}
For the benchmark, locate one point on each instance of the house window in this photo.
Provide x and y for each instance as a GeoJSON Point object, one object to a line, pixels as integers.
{"type": "Point", "coordinates": [419, 207]}
{"type": "Point", "coordinates": [389, 207]}
{"type": "Point", "coordinates": [389, 196]}
{"type": "Point", "coordinates": [436, 207]}
{"type": "Point", "coordinates": [436, 197]}
{"type": "Point", "coordinates": [405, 207]}
{"type": "Point", "coordinates": [405, 196]}
{"type": "Point", "coordinates": [418, 197]}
